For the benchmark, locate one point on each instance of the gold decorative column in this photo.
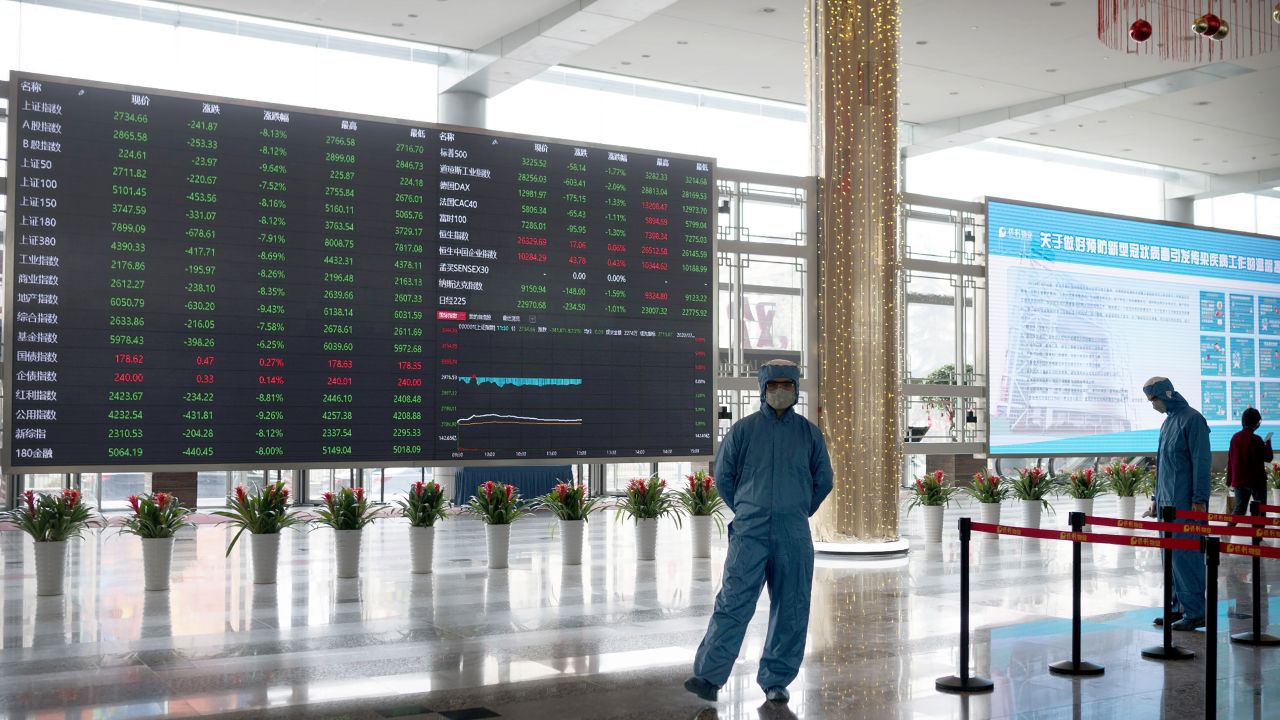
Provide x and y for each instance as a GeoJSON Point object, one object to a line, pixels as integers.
{"type": "Point", "coordinates": [853, 84]}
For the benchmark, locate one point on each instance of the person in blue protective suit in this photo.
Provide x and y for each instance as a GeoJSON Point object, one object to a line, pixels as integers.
{"type": "Point", "coordinates": [1182, 481]}
{"type": "Point", "coordinates": [773, 472]}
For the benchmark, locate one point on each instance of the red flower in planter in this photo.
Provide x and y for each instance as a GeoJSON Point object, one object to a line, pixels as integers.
{"type": "Point", "coordinates": [30, 497]}
{"type": "Point", "coordinates": [133, 502]}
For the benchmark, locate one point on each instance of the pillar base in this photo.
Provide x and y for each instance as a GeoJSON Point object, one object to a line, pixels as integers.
{"type": "Point", "coordinates": [867, 550]}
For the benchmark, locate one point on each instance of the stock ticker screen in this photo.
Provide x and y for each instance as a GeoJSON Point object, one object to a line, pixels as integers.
{"type": "Point", "coordinates": [202, 281]}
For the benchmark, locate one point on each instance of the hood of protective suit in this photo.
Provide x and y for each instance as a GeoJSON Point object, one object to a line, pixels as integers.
{"type": "Point", "coordinates": [1163, 389]}
{"type": "Point", "coordinates": [778, 370]}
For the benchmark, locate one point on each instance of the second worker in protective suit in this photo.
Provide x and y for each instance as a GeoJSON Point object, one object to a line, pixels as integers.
{"type": "Point", "coordinates": [773, 472]}
{"type": "Point", "coordinates": [1182, 481]}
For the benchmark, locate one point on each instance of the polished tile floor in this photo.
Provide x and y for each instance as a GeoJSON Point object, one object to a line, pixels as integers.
{"type": "Point", "coordinates": [611, 639]}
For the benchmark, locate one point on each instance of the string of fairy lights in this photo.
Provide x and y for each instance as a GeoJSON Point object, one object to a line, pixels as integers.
{"type": "Point", "coordinates": [853, 81]}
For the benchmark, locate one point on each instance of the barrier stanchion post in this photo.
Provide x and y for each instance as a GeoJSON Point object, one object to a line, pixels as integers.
{"type": "Point", "coordinates": [1076, 666]}
{"type": "Point", "coordinates": [1210, 547]}
{"type": "Point", "coordinates": [1167, 650]}
{"type": "Point", "coordinates": [1256, 637]}
{"type": "Point", "coordinates": [963, 683]}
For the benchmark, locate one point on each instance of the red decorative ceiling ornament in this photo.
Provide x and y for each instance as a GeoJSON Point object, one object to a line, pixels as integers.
{"type": "Point", "coordinates": [1220, 29]}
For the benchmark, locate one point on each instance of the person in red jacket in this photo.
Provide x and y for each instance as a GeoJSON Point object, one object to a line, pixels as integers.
{"type": "Point", "coordinates": [1246, 462]}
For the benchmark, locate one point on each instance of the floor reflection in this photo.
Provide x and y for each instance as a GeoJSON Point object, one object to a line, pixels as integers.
{"type": "Point", "coordinates": [612, 638]}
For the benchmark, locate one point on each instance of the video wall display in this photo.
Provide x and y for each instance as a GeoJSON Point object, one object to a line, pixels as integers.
{"type": "Point", "coordinates": [202, 281]}
{"type": "Point", "coordinates": [1084, 308]}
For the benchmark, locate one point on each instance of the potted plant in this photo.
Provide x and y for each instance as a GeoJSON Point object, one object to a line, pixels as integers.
{"type": "Point", "coordinates": [989, 491]}
{"type": "Point", "coordinates": [1273, 482]}
{"type": "Point", "coordinates": [1032, 489]}
{"type": "Point", "coordinates": [423, 506]}
{"type": "Point", "coordinates": [702, 503]}
{"type": "Point", "coordinates": [1127, 481]}
{"type": "Point", "coordinates": [264, 513]}
{"type": "Point", "coordinates": [155, 519]}
{"type": "Point", "coordinates": [498, 505]}
{"type": "Point", "coordinates": [569, 503]}
{"type": "Point", "coordinates": [51, 520]}
{"type": "Point", "coordinates": [932, 493]}
{"type": "Point", "coordinates": [347, 512]}
{"type": "Point", "coordinates": [1218, 486]}
{"type": "Point", "coordinates": [1083, 486]}
{"type": "Point", "coordinates": [646, 502]}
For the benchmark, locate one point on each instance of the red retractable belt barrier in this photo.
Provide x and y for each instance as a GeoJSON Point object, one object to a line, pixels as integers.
{"type": "Point", "coordinates": [1219, 517]}
{"type": "Point", "coordinates": [1187, 528]}
{"type": "Point", "coordinates": [1250, 550]}
{"type": "Point", "coordinates": [1131, 540]}
{"type": "Point", "coordinates": [1269, 508]}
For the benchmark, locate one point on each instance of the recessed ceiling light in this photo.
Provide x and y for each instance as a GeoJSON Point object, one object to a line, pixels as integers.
{"type": "Point", "coordinates": [645, 56]}
{"type": "Point", "coordinates": [907, 103]}
{"type": "Point", "coordinates": [682, 42]}
{"type": "Point", "coordinates": [954, 92]}
{"type": "Point", "coordinates": [768, 10]}
{"type": "Point", "coordinates": [765, 87]}
{"type": "Point", "coordinates": [1196, 139]}
{"type": "Point", "coordinates": [397, 24]}
{"type": "Point", "coordinates": [1051, 69]}
{"type": "Point", "coordinates": [1101, 122]}
{"type": "Point", "coordinates": [1204, 163]}
{"type": "Point", "coordinates": [1057, 3]}
{"type": "Point", "coordinates": [1033, 132]}
{"type": "Point", "coordinates": [973, 27]}
{"type": "Point", "coordinates": [626, 62]}
{"type": "Point", "coordinates": [1202, 103]}
{"type": "Point", "coordinates": [922, 42]}
{"type": "Point", "coordinates": [1126, 149]}
{"type": "Point", "coordinates": [413, 15]}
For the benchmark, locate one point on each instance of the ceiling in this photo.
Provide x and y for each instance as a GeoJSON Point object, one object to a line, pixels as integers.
{"type": "Point", "coordinates": [963, 64]}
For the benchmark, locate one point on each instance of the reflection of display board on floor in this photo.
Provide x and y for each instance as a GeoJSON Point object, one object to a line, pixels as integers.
{"type": "Point", "coordinates": [1085, 307]}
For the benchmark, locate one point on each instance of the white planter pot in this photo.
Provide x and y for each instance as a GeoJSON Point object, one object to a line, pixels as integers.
{"type": "Point", "coordinates": [1273, 494]}
{"type": "Point", "coordinates": [933, 522]}
{"type": "Point", "coordinates": [1031, 510]}
{"type": "Point", "coordinates": [990, 514]}
{"type": "Point", "coordinates": [346, 545]}
{"type": "Point", "coordinates": [701, 527]}
{"type": "Point", "coordinates": [422, 545]}
{"type": "Point", "coordinates": [499, 537]}
{"type": "Point", "coordinates": [266, 557]}
{"type": "Point", "coordinates": [1081, 505]}
{"type": "Point", "coordinates": [646, 538]}
{"type": "Point", "coordinates": [51, 567]}
{"type": "Point", "coordinates": [571, 541]}
{"type": "Point", "coordinates": [157, 556]}
{"type": "Point", "coordinates": [1125, 511]}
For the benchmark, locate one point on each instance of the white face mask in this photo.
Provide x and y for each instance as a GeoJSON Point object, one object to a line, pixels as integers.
{"type": "Point", "coordinates": [780, 399]}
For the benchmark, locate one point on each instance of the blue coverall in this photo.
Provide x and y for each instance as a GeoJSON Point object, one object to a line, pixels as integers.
{"type": "Point", "coordinates": [773, 472]}
{"type": "Point", "coordinates": [1183, 462]}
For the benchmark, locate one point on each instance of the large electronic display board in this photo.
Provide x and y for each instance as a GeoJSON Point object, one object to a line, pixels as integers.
{"type": "Point", "coordinates": [1084, 308]}
{"type": "Point", "coordinates": [202, 281]}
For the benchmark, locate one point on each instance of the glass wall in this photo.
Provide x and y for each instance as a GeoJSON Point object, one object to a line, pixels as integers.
{"type": "Point", "coordinates": [740, 132]}
{"type": "Point", "coordinates": [1243, 212]}
{"type": "Point", "coordinates": [201, 51]}
{"type": "Point", "coordinates": [1035, 173]}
